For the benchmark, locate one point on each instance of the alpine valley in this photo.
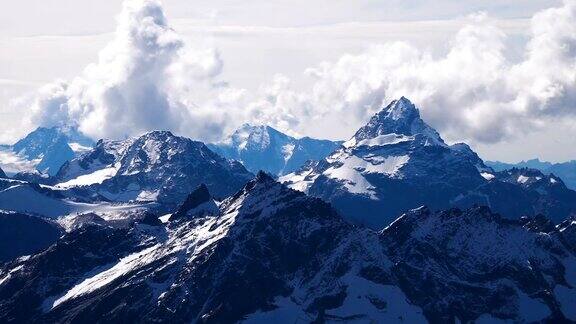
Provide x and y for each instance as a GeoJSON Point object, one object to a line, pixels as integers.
{"type": "Point", "coordinates": [392, 226]}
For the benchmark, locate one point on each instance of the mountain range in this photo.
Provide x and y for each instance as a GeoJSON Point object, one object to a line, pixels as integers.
{"type": "Point", "coordinates": [264, 148]}
{"type": "Point", "coordinates": [565, 170]}
{"type": "Point", "coordinates": [157, 166]}
{"type": "Point", "coordinates": [272, 254]}
{"type": "Point", "coordinates": [393, 225]}
{"type": "Point", "coordinates": [396, 162]}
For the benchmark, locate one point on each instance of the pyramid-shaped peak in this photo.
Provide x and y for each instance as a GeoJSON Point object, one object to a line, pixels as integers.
{"type": "Point", "coordinates": [250, 129]}
{"type": "Point", "coordinates": [401, 108]}
{"type": "Point", "coordinates": [252, 137]}
{"type": "Point", "coordinates": [400, 117]}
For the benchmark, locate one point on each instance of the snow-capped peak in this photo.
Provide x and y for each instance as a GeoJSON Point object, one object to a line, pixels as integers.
{"type": "Point", "coordinates": [157, 166]}
{"type": "Point", "coordinates": [401, 108]}
{"type": "Point", "coordinates": [401, 118]}
{"type": "Point", "coordinates": [397, 162]}
{"type": "Point", "coordinates": [158, 134]}
{"type": "Point", "coordinates": [265, 148]}
{"type": "Point", "coordinates": [250, 136]}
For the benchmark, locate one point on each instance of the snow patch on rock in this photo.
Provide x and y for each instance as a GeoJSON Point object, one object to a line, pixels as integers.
{"type": "Point", "coordinates": [95, 177]}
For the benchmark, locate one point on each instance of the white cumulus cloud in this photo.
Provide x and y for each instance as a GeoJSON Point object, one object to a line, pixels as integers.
{"type": "Point", "coordinates": [473, 92]}
{"type": "Point", "coordinates": [138, 82]}
{"type": "Point", "coordinates": [147, 78]}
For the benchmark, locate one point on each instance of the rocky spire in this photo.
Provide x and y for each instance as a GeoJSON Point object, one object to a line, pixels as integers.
{"type": "Point", "coordinates": [400, 117]}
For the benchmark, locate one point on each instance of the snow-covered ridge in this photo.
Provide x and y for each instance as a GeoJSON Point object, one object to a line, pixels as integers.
{"type": "Point", "coordinates": [399, 117]}
{"type": "Point", "coordinates": [397, 162]}
{"type": "Point", "coordinates": [565, 171]}
{"type": "Point", "coordinates": [157, 166]}
{"type": "Point", "coordinates": [105, 156]}
{"type": "Point", "coordinates": [351, 170]}
{"type": "Point", "coordinates": [271, 253]}
{"type": "Point", "coordinates": [380, 140]}
{"type": "Point", "coordinates": [397, 124]}
{"type": "Point", "coordinates": [95, 177]}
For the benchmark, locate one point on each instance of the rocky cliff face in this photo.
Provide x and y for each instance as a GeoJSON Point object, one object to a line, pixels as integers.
{"type": "Point", "coordinates": [269, 253]}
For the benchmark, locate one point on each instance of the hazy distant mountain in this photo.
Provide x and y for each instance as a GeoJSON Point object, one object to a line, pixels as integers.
{"type": "Point", "coordinates": [565, 170]}
{"type": "Point", "coordinates": [264, 148]}
{"type": "Point", "coordinates": [46, 149]}
{"type": "Point", "coordinates": [531, 164]}
{"type": "Point", "coordinates": [397, 162]}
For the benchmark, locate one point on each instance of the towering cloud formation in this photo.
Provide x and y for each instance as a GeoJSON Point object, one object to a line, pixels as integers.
{"type": "Point", "coordinates": [137, 83]}
{"type": "Point", "coordinates": [146, 78]}
{"type": "Point", "coordinates": [473, 92]}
